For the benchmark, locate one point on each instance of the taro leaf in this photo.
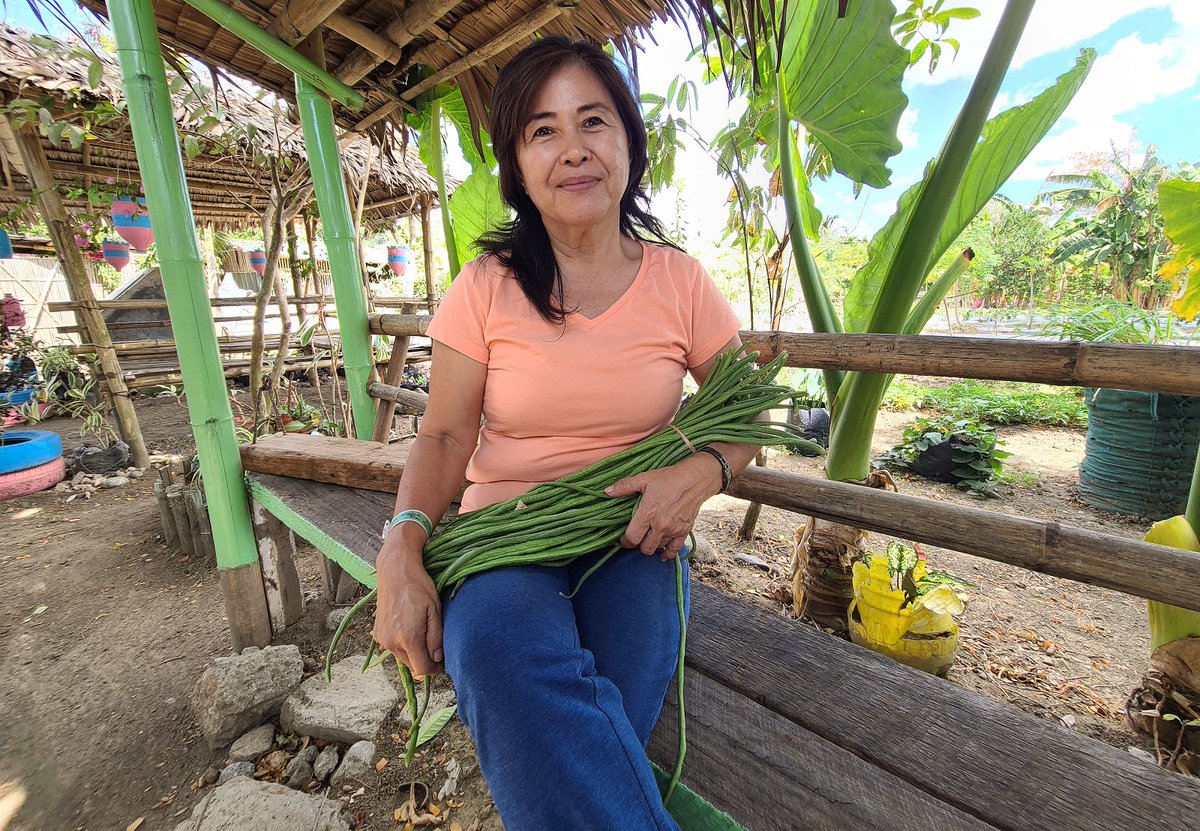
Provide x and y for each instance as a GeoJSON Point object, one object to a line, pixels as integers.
{"type": "Point", "coordinates": [844, 83]}
{"type": "Point", "coordinates": [1007, 140]}
{"type": "Point", "coordinates": [431, 727]}
{"type": "Point", "coordinates": [476, 207]}
{"type": "Point", "coordinates": [1179, 201]}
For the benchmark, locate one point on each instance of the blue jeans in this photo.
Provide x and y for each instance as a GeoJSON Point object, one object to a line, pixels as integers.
{"type": "Point", "coordinates": [560, 695]}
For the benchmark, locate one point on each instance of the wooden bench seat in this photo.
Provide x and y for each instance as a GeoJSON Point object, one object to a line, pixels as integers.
{"type": "Point", "coordinates": [789, 728]}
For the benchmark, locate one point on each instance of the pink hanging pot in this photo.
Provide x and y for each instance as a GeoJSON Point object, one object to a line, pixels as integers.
{"type": "Point", "coordinates": [131, 219]}
{"type": "Point", "coordinates": [398, 259]}
{"type": "Point", "coordinates": [116, 253]}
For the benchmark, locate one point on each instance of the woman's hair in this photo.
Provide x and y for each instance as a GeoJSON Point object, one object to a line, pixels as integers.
{"type": "Point", "coordinates": [523, 244]}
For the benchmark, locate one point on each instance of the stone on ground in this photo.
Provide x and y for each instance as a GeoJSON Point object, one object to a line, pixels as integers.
{"type": "Point", "coordinates": [359, 760]}
{"type": "Point", "coordinates": [348, 709]}
{"type": "Point", "coordinates": [703, 552]}
{"type": "Point", "coordinates": [235, 770]}
{"type": "Point", "coordinates": [253, 744]}
{"type": "Point", "coordinates": [238, 692]}
{"type": "Point", "coordinates": [243, 804]}
{"type": "Point", "coordinates": [326, 763]}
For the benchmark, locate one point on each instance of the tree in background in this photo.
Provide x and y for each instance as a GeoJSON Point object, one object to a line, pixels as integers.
{"type": "Point", "coordinates": [1110, 217]}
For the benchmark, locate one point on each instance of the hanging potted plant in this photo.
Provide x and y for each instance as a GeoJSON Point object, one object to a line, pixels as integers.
{"type": "Point", "coordinates": [131, 219]}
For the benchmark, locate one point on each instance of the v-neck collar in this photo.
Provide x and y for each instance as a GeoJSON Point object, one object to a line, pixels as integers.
{"type": "Point", "coordinates": [589, 323]}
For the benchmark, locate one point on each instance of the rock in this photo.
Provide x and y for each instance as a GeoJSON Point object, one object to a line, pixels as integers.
{"type": "Point", "coordinates": [305, 757]}
{"type": "Point", "coordinates": [357, 762]}
{"type": "Point", "coordinates": [114, 481]}
{"type": "Point", "coordinates": [300, 776]}
{"type": "Point", "coordinates": [239, 692]}
{"type": "Point", "coordinates": [1144, 755]}
{"type": "Point", "coordinates": [210, 776]}
{"type": "Point", "coordinates": [253, 744]}
{"type": "Point", "coordinates": [335, 617]}
{"type": "Point", "coordinates": [236, 769]}
{"type": "Point", "coordinates": [348, 709]}
{"type": "Point", "coordinates": [135, 473]}
{"type": "Point", "coordinates": [326, 763]}
{"type": "Point", "coordinates": [62, 487]}
{"type": "Point", "coordinates": [751, 560]}
{"type": "Point", "coordinates": [703, 552]}
{"type": "Point", "coordinates": [263, 806]}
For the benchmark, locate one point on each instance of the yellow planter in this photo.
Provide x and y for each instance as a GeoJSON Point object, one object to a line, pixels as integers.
{"type": "Point", "coordinates": [922, 636]}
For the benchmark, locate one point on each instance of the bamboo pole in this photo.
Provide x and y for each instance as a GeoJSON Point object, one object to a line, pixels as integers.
{"type": "Point", "coordinates": [215, 302]}
{"type": "Point", "coordinates": [316, 118]}
{"type": "Point", "coordinates": [33, 156]}
{"type": "Point", "coordinates": [417, 17]}
{"type": "Point", "coordinates": [385, 407]}
{"type": "Point", "coordinates": [278, 51]}
{"type": "Point", "coordinates": [427, 251]}
{"type": "Point", "coordinates": [518, 31]}
{"type": "Point", "coordinates": [152, 121]}
{"type": "Point", "coordinates": [299, 17]}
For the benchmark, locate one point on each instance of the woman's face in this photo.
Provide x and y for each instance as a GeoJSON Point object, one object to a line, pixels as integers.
{"type": "Point", "coordinates": [573, 153]}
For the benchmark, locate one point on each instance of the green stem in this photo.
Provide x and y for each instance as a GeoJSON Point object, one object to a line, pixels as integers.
{"type": "Point", "coordinates": [816, 298]}
{"type": "Point", "coordinates": [915, 251]}
{"type": "Point", "coordinates": [1193, 504]}
{"type": "Point", "coordinates": [924, 310]}
{"type": "Point", "coordinates": [439, 173]}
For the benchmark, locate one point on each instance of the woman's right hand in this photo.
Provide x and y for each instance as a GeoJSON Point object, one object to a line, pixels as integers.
{"type": "Point", "coordinates": [408, 617]}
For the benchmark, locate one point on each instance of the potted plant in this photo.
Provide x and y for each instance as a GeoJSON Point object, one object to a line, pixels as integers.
{"type": "Point", "coordinates": [1141, 446]}
{"type": "Point", "coordinates": [79, 400]}
{"type": "Point", "coordinates": [904, 610]}
{"type": "Point", "coordinates": [30, 460]}
{"type": "Point", "coordinates": [957, 451]}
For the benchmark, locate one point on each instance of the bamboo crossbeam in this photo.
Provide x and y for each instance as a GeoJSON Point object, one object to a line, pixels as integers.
{"type": "Point", "coordinates": [419, 16]}
{"type": "Point", "coordinates": [1171, 369]}
{"type": "Point", "coordinates": [356, 32]}
{"type": "Point", "coordinates": [408, 402]}
{"type": "Point", "coordinates": [377, 116]}
{"type": "Point", "coordinates": [1156, 572]}
{"type": "Point", "coordinates": [158, 379]}
{"type": "Point", "coordinates": [518, 31]}
{"type": "Point", "coordinates": [299, 17]}
{"type": "Point", "coordinates": [215, 302]}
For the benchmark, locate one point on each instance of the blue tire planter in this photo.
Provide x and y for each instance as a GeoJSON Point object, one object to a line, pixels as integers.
{"type": "Point", "coordinates": [21, 449]}
{"type": "Point", "coordinates": [1141, 452]}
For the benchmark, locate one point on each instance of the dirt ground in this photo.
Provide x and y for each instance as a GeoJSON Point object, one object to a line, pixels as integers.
{"type": "Point", "coordinates": [95, 688]}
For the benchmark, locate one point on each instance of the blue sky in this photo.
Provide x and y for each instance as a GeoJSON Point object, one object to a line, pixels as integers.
{"type": "Point", "coordinates": [1143, 89]}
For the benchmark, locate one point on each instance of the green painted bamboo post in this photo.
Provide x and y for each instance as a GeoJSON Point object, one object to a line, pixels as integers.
{"type": "Point", "coordinates": [316, 117]}
{"type": "Point", "coordinates": [157, 144]}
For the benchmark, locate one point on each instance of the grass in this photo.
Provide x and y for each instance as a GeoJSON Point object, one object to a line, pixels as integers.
{"type": "Point", "coordinates": [994, 402]}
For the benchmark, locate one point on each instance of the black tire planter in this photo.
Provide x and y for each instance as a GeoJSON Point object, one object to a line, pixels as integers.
{"type": "Point", "coordinates": [937, 462]}
{"type": "Point", "coordinates": [21, 449]}
{"type": "Point", "coordinates": [1141, 452]}
{"type": "Point", "coordinates": [90, 459]}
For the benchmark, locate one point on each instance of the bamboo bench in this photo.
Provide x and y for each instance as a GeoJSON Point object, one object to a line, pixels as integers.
{"type": "Point", "coordinates": [788, 728]}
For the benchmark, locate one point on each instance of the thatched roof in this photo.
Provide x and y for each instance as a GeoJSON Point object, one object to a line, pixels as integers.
{"type": "Point", "coordinates": [227, 188]}
{"type": "Point", "coordinates": [382, 47]}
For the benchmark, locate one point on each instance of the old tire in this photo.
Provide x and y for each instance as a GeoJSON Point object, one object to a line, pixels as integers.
{"type": "Point", "coordinates": [32, 479]}
{"type": "Point", "coordinates": [21, 449]}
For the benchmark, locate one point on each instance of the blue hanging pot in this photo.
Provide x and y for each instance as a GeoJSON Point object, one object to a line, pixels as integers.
{"type": "Point", "coordinates": [6, 251]}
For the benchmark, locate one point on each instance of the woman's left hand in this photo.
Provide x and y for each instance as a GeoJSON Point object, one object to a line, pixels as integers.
{"type": "Point", "coordinates": [671, 501]}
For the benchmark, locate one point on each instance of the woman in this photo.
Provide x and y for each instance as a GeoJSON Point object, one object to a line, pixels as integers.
{"type": "Point", "coordinates": [570, 337]}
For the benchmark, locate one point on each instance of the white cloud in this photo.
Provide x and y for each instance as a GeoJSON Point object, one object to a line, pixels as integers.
{"type": "Point", "coordinates": [1053, 26]}
{"type": "Point", "coordinates": [907, 130]}
{"type": "Point", "coordinates": [1132, 74]}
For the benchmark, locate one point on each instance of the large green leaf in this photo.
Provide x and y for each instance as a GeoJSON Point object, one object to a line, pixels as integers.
{"type": "Point", "coordinates": [843, 80]}
{"type": "Point", "coordinates": [1179, 202]}
{"type": "Point", "coordinates": [1006, 141]}
{"type": "Point", "coordinates": [476, 207]}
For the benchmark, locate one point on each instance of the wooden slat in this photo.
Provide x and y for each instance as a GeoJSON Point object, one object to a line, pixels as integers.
{"type": "Point", "coordinates": [417, 17]}
{"type": "Point", "coordinates": [1172, 369]}
{"type": "Point", "coordinates": [356, 32]}
{"type": "Point", "coordinates": [984, 758]}
{"type": "Point", "coordinates": [215, 302]}
{"type": "Point", "coordinates": [769, 773]}
{"type": "Point", "coordinates": [1156, 572]}
{"type": "Point", "coordinates": [277, 558]}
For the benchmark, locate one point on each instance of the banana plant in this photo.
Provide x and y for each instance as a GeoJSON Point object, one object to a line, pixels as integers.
{"type": "Point", "coordinates": [836, 85]}
{"type": "Point", "coordinates": [476, 205]}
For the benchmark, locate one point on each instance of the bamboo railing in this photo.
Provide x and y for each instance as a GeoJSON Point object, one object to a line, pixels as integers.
{"type": "Point", "coordinates": [1154, 572]}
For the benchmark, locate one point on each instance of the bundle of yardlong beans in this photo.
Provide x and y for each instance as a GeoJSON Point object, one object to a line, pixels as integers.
{"type": "Point", "coordinates": [556, 522]}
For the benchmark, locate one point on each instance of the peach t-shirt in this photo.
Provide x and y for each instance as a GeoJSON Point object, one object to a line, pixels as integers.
{"type": "Point", "coordinates": [559, 397]}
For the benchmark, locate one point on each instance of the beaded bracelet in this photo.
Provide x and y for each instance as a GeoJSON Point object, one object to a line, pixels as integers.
{"type": "Point", "coordinates": [411, 515]}
{"type": "Point", "coordinates": [726, 471]}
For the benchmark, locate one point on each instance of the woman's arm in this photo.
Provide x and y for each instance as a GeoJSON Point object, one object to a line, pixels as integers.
{"type": "Point", "coordinates": [672, 497]}
{"type": "Point", "coordinates": [408, 622]}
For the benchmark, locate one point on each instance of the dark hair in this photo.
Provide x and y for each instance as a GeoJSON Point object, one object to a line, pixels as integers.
{"type": "Point", "coordinates": [523, 244]}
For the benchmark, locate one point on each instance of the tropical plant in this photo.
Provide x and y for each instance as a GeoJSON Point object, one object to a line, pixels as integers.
{"type": "Point", "coordinates": [1110, 216]}
{"type": "Point", "coordinates": [813, 63]}
{"type": "Point", "coordinates": [1110, 321]}
{"type": "Point", "coordinates": [961, 451]}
